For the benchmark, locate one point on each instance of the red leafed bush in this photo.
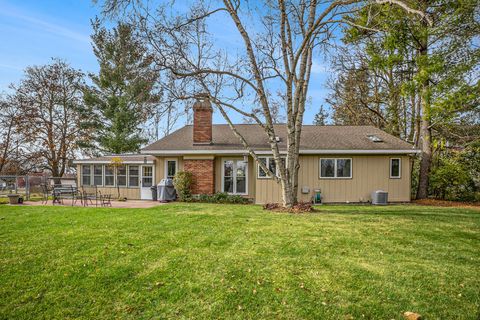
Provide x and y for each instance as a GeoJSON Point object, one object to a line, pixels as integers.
{"type": "Point", "coordinates": [300, 207]}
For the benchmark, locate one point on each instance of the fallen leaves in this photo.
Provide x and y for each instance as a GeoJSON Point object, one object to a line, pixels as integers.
{"type": "Point", "coordinates": [412, 316]}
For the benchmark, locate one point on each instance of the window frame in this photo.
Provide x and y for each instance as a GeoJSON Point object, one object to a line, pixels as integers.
{"type": "Point", "coordinates": [166, 166]}
{"type": "Point", "coordinates": [267, 163]}
{"type": "Point", "coordinates": [114, 174]}
{"type": "Point", "coordinates": [335, 160]}
{"type": "Point", "coordinates": [138, 176]}
{"type": "Point", "coordinates": [117, 169]}
{"type": "Point", "coordinates": [234, 176]}
{"type": "Point", "coordinates": [96, 175]}
{"type": "Point", "coordinates": [399, 168]}
{"type": "Point", "coordinates": [90, 174]}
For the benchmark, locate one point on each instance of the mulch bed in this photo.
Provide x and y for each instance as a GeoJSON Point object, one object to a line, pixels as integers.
{"type": "Point", "coordinates": [446, 203]}
{"type": "Point", "coordinates": [301, 207]}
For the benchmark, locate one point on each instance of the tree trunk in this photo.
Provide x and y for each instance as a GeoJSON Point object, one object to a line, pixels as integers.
{"type": "Point", "coordinates": [426, 160]}
{"type": "Point", "coordinates": [425, 131]}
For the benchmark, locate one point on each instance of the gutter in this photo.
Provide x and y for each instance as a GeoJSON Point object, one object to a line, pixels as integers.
{"type": "Point", "coordinates": [267, 152]}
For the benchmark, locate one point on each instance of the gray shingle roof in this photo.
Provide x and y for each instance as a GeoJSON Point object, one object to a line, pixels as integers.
{"type": "Point", "coordinates": [313, 138]}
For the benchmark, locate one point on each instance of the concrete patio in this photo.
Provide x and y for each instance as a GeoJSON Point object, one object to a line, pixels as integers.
{"type": "Point", "coordinates": [115, 204]}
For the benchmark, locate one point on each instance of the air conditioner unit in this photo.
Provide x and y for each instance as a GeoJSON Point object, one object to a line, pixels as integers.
{"type": "Point", "coordinates": [379, 197]}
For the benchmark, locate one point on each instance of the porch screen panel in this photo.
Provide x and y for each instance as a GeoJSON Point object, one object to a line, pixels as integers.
{"type": "Point", "coordinates": [122, 176]}
{"type": "Point", "coordinates": [98, 175]}
{"type": "Point", "coordinates": [86, 175]}
{"type": "Point", "coordinates": [133, 176]}
{"type": "Point", "coordinates": [109, 176]}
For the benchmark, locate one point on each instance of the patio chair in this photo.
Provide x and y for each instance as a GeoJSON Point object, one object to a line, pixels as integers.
{"type": "Point", "coordinates": [89, 196]}
{"type": "Point", "coordinates": [105, 199]}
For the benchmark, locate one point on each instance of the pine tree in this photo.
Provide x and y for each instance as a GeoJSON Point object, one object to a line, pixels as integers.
{"type": "Point", "coordinates": [321, 117]}
{"type": "Point", "coordinates": [123, 91]}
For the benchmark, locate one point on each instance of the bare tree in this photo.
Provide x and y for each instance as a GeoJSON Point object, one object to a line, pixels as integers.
{"type": "Point", "coordinates": [278, 41]}
{"type": "Point", "coordinates": [8, 114]}
{"type": "Point", "coordinates": [49, 100]}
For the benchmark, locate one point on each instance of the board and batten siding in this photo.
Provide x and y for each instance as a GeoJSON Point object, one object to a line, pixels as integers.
{"type": "Point", "coordinates": [369, 173]}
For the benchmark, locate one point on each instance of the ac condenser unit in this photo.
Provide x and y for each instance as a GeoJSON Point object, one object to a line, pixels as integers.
{"type": "Point", "coordinates": [379, 197]}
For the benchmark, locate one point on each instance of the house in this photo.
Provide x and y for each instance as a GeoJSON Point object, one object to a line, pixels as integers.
{"type": "Point", "coordinates": [346, 163]}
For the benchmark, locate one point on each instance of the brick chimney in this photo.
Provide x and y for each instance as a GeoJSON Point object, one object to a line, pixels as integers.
{"type": "Point", "coordinates": [202, 120]}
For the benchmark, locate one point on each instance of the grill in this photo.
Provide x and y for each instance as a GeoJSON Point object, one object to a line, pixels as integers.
{"type": "Point", "coordinates": [166, 190]}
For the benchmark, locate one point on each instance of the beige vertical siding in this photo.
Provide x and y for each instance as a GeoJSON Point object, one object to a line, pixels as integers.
{"type": "Point", "coordinates": [369, 173]}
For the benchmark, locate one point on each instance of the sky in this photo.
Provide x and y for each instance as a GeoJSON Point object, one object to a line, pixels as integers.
{"type": "Point", "coordinates": [32, 32]}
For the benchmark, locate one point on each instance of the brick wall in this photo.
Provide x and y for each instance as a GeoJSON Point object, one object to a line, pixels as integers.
{"type": "Point", "coordinates": [202, 122]}
{"type": "Point", "coordinates": [203, 172]}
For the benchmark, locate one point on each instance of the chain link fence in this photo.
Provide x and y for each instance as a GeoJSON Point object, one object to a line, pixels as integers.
{"type": "Point", "coordinates": [28, 186]}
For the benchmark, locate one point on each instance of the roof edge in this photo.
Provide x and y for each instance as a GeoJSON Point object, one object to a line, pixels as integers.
{"type": "Point", "coordinates": [304, 151]}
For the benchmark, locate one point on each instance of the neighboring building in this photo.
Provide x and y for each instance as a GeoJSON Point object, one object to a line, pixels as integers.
{"type": "Point", "coordinates": [346, 163]}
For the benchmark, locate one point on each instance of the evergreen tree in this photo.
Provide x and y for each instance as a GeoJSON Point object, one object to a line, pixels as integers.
{"type": "Point", "coordinates": [123, 91]}
{"type": "Point", "coordinates": [430, 64]}
{"type": "Point", "coordinates": [321, 117]}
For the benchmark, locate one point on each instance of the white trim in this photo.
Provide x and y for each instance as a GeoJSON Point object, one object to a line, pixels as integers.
{"type": "Point", "coordinates": [166, 166]}
{"type": "Point", "coordinates": [138, 177]}
{"type": "Point", "coordinates": [334, 168]}
{"type": "Point", "coordinates": [267, 152]}
{"type": "Point", "coordinates": [360, 151]}
{"type": "Point", "coordinates": [234, 176]}
{"type": "Point", "coordinates": [399, 168]}
{"type": "Point", "coordinates": [146, 190]}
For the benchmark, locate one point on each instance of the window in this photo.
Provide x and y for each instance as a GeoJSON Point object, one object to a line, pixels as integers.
{"type": "Point", "coordinates": [97, 175]}
{"type": "Point", "coordinates": [109, 176]}
{"type": "Point", "coordinates": [234, 176]}
{"type": "Point", "coordinates": [122, 176]}
{"type": "Point", "coordinates": [335, 168]}
{"type": "Point", "coordinates": [147, 176]}
{"type": "Point", "coordinates": [171, 168]}
{"type": "Point", "coordinates": [395, 168]}
{"type": "Point", "coordinates": [133, 176]}
{"type": "Point", "coordinates": [270, 161]}
{"type": "Point", "coordinates": [327, 168]}
{"type": "Point", "coordinates": [86, 174]}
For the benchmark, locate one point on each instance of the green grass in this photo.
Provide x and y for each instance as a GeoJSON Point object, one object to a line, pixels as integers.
{"type": "Point", "coordinates": [235, 262]}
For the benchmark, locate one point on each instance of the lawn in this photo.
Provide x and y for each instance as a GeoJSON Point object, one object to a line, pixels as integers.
{"type": "Point", "coordinates": [225, 261]}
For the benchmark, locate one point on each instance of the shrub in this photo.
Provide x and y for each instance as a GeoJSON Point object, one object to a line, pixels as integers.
{"type": "Point", "coordinates": [222, 197]}
{"type": "Point", "coordinates": [183, 184]}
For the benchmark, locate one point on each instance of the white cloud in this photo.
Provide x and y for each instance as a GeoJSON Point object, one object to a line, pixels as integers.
{"type": "Point", "coordinates": [318, 67]}
{"type": "Point", "coordinates": [44, 25]}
